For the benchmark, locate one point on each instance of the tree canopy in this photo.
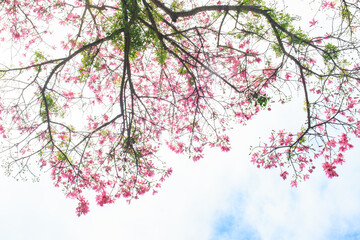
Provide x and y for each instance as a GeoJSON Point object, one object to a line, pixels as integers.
{"type": "Point", "coordinates": [91, 89]}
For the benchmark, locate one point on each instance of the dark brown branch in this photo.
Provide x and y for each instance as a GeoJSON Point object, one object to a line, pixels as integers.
{"type": "Point", "coordinates": [175, 15]}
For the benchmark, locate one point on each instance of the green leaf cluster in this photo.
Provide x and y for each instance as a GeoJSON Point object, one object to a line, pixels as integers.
{"type": "Point", "coordinates": [260, 99]}
{"type": "Point", "coordinates": [276, 48]}
{"type": "Point", "coordinates": [139, 36]}
{"type": "Point", "coordinates": [285, 20]}
{"type": "Point", "coordinates": [89, 59]}
{"type": "Point", "coordinates": [250, 2]}
{"type": "Point", "coordinates": [63, 157]}
{"type": "Point", "coordinates": [176, 6]}
{"type": "Point", "coordinates": [345, 13]}
{"type": "Point", "coordinates": [330, 52]}
{"type": "Point", "coordinates": [160, 52]}
{"type": "Point", "coordinates": [161, 55]}
{"type": "Point", "coordinates": [128, 144]}
{"type": "Point", "coordinates": [191, 81]}
{"type": "Point", "coordinates": [51, 106]}
{"type": "Point", "coordinates": [39, 56]}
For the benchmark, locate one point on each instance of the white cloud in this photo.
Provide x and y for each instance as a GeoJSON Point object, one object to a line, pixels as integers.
{"type": "Point", "coordinates": [317, 209]}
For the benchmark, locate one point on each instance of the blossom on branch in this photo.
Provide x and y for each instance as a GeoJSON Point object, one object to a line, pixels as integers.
{"type": "Point", "coordinates": [97, 87]}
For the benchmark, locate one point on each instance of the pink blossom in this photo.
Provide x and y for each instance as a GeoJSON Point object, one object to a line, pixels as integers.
{"type": "Point", "coordinates": [284, 174]}
{"type": "Point", "coordinates": [225, 148]}
{"type": "Point", "coordinates": [318, 41]}
{"type": "Point", "coordinates": [287, 76]}
{"type": "Point", "coordinates": [344, 143]}
{"type": "Point", "coordinates": [293, 183]}
{"type": "Point", "coordinates": [329, 170]}
{"type": "Point", "coordinates": [142, 189]}
{"type": "Point", "coordinates": [197, 157]}
{"type": "Point", "coordinates": [306, 177]}
{"type": "Point", "coordinates": [16, 35]}
{"type": "Point", "coordinates": [150, 173]}
{"type": "Point", "coordinates": [357, 66]}
{"type": "Point", "coordinates": [313, 22]}
{"type": "Point", "coordinates": [327, 4]}
{"type": "Point", "coordinates": [331, 143]}
{"type": "Point", "coordinates": [126, 193]}
{"type": "Point", "coordinates": [339, 159]}
{"type": "Point", "coordinates": [103, 199]}
{"type": "Point", "coordinates": [312, 61]}
{"type": "Point", "coordinates": [83, 207]}
{"type": "Point", "coordinates": [2, 131]}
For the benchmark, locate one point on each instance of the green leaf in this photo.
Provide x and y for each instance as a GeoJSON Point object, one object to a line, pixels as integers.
{"type": "Point", "coordinates": [331, 52]}
{"type": "Point", "coordinates": [161, 55]}
{"type": "Point", "coordinates": [277, 50]}
{"type": "Point", "coordinates": [191, 81]}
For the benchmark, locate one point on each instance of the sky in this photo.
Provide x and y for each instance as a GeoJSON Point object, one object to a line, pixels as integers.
{"type": "Point", "coordinates": [221, 197]}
